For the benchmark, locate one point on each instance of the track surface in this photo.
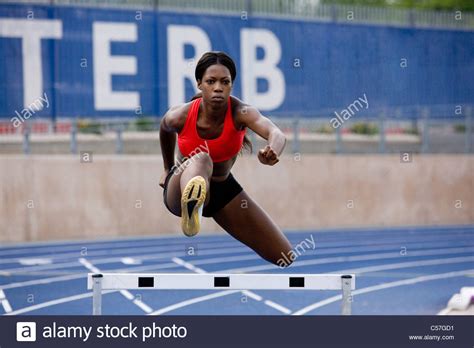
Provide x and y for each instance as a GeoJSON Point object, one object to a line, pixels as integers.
{"type": "Point", "coordinates": [408, 270]}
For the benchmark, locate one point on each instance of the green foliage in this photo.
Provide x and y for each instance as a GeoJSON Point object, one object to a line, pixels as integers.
{"type": "Point", "coordinates": [460, 128]}
{"type": "Point", "coordinates": [364, 128]}
{"type": "Point", "coordinates": [88, 126]}
{"type": "Point", "coordinates": [144, 124]}
{"type": "Point", "coordinates": [356, 2]}
{"type": "Point", "coordinates": [447, 5]}
{"type": "Point", "coordinates": [466, 5]}
{"type": "Point", "coordinates": [326, 129]}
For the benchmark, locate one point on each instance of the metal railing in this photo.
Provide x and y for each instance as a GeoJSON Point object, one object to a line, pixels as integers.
{"type": "Point", "coordinates": [296, 9]}
{"type": "Point", "coordinates": [358, 135]}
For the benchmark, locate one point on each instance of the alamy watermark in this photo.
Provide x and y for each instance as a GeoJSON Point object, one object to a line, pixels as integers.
{"type": "Point", "coordinates": [348, 112]}
{"type": "Point", "coordinates": [293, 254]}
{"type": "Point", "coordinates": [29, 111]}
{"type": "Point", "coordinates": [200, 149]}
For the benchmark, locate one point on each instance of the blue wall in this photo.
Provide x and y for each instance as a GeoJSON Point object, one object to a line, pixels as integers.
{"type": "Point", "coordinates": [337, 63]}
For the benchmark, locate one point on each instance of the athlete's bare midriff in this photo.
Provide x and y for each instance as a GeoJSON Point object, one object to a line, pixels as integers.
{"type": "Point", "coordinates": [220, 170]}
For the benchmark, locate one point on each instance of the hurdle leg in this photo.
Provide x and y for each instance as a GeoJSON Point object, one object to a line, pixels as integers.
{"type": "Point", "coordinates": [346, 294]}
{"type": "Point", "coordinates": [97, 294]}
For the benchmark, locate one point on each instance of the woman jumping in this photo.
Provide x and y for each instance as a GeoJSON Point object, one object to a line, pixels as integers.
{"type": "Point", "coordinates": [211, 133]}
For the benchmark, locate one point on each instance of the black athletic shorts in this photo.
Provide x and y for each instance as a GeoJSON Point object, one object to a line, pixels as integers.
{"type": "Point", "coordinates": [222, 192]}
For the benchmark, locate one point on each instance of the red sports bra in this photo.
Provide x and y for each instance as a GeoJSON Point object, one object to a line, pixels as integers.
{"type": "Point", "coordinates": [222, 148]}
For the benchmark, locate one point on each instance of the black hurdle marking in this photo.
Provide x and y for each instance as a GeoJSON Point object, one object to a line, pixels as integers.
{"type": "Point", "coordinates": [296, 282]}
{"type": "Point", "coordinates": [221, 282]}
{"type": "Point", "coordinates": [146, 282]}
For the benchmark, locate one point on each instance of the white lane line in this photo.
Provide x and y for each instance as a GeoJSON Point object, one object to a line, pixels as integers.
{"type": "Point", "coordinates": [120, 251]}
{"type": "Point", "coordinates": [83, 275]}
{"type": "Point", "coordinates": [173, 265]}
{"type": "Point", "coordinates": [125, 293]}
{"type": "Point", "coordinates": [377, 256]}
{"type": "Point", "coordinates": [193, 300]}
{"type": "Point", "coordinates": [325, 252]}
{"type": "Point", "coordinates": [34, 261]}
{"type": "Point", "coordinates": [384, 286]}
{"type": "Point", "coordinates": [88, 265]}
{"type": "Point", "coordinates": [79, 249]}
{"type": "Point", "coordinates": [246, 292]}
{"type": "Point", "coordinates": [152, 250]}
{"type": "Point", "coordinates": [249, 293]}
{"type": "Point", "coordinates": [5, 303]}
{"type": "Point", "coordinates": [187, 265]}
{"type": "Point", "coordinates": [170, 240]}
{"type": "Point", "coordinates": [42, 281]}
{"type": "Point", "coordinates": [409, 264]}
{"type": "Point", "coordinates": [91, 246]}
{"type": "Point", "coordinates": [227, 259]}
{"type": "Point", "coordinates": [277, 306]}
{"type": "Point", "coordinates": [147, 309]}
{"type": "Point", "coordinates": [298, 263]}
{"type": "Point", "coordinates": [68, 299]}
{"type": "Point", "coordinates": [153, 256]}
{"type": "Point", "coordinates": [246, 256]}
{"type": "Point", "coordinates": [252, 295]}
{"type": "Point", "coordinates": [56, 302]}
{"type": "Point", "coordinates": [128, 295]}
{"type": "Point", "coordinates": [130, 261]}
{"type": "Point", "coordinates": [6, 306]}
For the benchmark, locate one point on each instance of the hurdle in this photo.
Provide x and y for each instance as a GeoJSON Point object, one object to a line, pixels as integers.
{"type": "Point", "coordinates": [98, 282]}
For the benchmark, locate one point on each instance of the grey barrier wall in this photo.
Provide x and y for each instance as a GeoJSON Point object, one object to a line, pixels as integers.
{"type": "Point", "coordinates": [60, 197]}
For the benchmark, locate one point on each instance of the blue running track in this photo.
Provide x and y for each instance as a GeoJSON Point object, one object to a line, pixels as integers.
{"type": "Point", "coordinates": [410, 270]}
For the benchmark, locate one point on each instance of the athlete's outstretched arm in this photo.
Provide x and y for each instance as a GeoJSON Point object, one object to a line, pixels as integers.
{"type": "Point", "coordinates": [169, 127]}
{"type": "Point", "coordinates": [253, 119]}
{"type": "Point", "coordinates": [167, 143]}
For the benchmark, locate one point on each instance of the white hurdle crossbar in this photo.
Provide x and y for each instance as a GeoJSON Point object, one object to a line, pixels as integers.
{"type": "Point", "coordinates": [217, 281]}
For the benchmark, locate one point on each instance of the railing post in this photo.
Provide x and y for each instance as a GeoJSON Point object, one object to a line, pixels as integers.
{"type": "Point", "coordinates": [26, 138]}
{"type": "Point", "coordinates": [73, 145]}
{"type": "Point", "coordinates": [338, 140]}
{"type": "Point", "coordinates": [411, 18]}
{"type": "Point", "coordinates": [119, 144]}
{"type": "Point", "coordinates": [382, 132]}
{"type": "Point", "coordinates": [333, 13]}
{"type": "Point", "coordinates": [425, 146]}
{"type": "Point", "coordinates": [468, 131]}
{"type": "Point", "coordinates": [248, 8]}
{"type": "Point", "coordinates": [296, 135]}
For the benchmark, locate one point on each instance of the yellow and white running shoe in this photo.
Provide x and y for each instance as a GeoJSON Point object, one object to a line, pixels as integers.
{"type": "Point", "coordinates": [192, 203]}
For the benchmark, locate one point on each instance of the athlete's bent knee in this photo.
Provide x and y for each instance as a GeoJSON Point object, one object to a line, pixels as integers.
{"type": "Point", "coordinates": [202, 158]}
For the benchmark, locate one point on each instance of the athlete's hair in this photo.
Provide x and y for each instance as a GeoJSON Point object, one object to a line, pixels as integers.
{"type": "Point", "coordinates": [212, 58]}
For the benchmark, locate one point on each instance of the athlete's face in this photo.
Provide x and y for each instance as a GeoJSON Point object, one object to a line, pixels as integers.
{"type": "Point", "coordinates": [216, 84]}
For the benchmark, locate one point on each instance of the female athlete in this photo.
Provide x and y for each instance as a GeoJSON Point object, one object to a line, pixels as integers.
{"type": "Point", "coordinates": [211, 132]}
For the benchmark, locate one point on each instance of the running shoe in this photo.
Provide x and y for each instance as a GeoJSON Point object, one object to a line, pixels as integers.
{"type": "Point", "coordinates": [192, 203]}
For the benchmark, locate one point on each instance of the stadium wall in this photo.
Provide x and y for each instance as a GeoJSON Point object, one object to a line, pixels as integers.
{"type": "Point", "coordinates": [58, 197]}
{"type": "Point", "coordinates": [91, 62]}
